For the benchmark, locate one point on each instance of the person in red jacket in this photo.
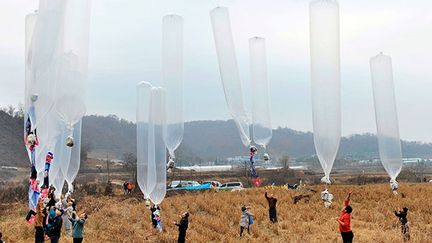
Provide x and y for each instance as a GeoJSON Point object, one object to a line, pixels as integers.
{"type": "Point", "coordinates": [345, 221]}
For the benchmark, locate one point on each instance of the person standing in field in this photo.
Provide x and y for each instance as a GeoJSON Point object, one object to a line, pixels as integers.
{"type": "Point", "coordinates": [402, 215]}
{"type": "Point", "coordinates": [39, 229]}
{"type": "Point", "coordinates": [55, 231]}
{"type": "Point", "coordinates": [78, 227]}
{"type": "Point", "coordinates": [182, 227]}
{"type": "Point", "coordinates": [153, 209]}
{"type": "Point", "coordinates": [68, 212]}
{"type": "Point", "coordinates": [245, 220]}
{"type": "Point", "coordinates": [345, 221]}
{"type": "Point", "coordinates": [272, 207]}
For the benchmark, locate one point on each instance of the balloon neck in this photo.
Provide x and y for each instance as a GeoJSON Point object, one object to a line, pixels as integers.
{"type": "Point", "coordinates": [70, 188]}
{"type": "Point", "coordinates": [326, 180]}
{"type": "Point", "coordinates": [171, 155]}
{"type": "Point", "coordinates": [70, 128]}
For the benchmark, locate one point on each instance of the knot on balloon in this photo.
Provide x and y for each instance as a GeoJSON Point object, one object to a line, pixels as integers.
{"type": "Point", "coordinates": [34, 97]}
{"type": "Point", "coordinates": [266, 157]}
{"type": "Point", "coordinates": [326, 180]}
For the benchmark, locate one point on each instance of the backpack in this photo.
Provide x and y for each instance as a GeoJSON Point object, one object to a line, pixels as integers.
{"type": "Point", "coordinates": [250, 219]}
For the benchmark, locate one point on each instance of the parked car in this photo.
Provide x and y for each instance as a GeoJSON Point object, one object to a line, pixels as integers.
{"type": "Point", "coordinates": [213, 183]}
{"type": "Point", "coordinates": [179, 184]}
{"type": "Point", "coordinates": [231, 186]}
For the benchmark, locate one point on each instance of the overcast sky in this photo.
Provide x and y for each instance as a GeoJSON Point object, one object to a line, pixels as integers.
{"type": "Point", "coordinates": [125, 48]}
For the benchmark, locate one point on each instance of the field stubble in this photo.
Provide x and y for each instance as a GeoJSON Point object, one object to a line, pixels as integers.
{"type": "Point", "coordinates": [215, 216]}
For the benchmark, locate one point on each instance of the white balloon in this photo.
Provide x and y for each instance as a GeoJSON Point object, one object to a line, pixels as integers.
{"type": "Point", "coordinates": [42, 56]}
{"type": "Point", "coordinates": [172, 72]}
{"type": "Point", "coordinates": [156, 144]}
{"type": "Point", "coordinates": [325, 81]}
{"type": "Point", "coordinates": [228, 68]}
{"type": "Point", "coordinates": [73, 63]}
{"type": "Point", "coordinates": [386, 115]}
{"type": "Point", "coordinates": [262, 130]}
{"type": "Point", "coordinates": [146, 168]}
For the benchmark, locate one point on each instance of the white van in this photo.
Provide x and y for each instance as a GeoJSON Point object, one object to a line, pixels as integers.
{"type": "Point", "coordinates": [229, 186]}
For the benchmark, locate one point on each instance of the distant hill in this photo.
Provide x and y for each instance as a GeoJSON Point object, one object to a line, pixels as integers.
{"type": "Point", "coordinates": [12, 150]}
{"type": "Point", "coordinates": [203, 141]}
{"type": "Point", "coordinates": [213, 140]}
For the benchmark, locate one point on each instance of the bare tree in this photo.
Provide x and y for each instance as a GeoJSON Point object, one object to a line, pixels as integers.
{"type": "Point", "coordinates": [19, 112]}
{"type": "Point", "coordinates": [85, 150]}
{"type": "Point", "coordinates": [284, 161]}
{"type": "Point", "coordinates": [10, 110]}
{"type": "Point", "coordinates": [130, 163]}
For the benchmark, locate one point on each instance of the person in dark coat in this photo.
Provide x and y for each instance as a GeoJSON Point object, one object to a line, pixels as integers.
{"type": "Point", "coordinates": [55, 230]}
{"type": "Point", "coordinates": [403, 218]}
{"type": "Point", "coordinates": [153, 209]}
{"type": "Point", "coordinates": [272, 207]}
{"type": "Point", "coordinates": [182, 227]}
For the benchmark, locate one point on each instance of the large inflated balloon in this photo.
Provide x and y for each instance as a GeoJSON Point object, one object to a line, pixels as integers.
{"type": "Point", "coordinates": [156, 144]}
{"type": "Point", "coordinates": [146, 167]}
{"type": "Point", "coordinates": [386, 115]}
{"type": "Point", "coordinates": [172, 73]}
{"type": "Point", "coordinates": [229, 72]}
{"type": "Point", "coordinates": [325, 81]}
{"type": "Point", "coordinates": [42, 59]}
{"type": "Point", "coordinates": [73, 63]}
{"type": "Point", "coordinates": [262, 130]}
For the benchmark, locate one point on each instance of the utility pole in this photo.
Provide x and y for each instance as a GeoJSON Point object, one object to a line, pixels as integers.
{"type": "Point", "coordinates": [108, 169]}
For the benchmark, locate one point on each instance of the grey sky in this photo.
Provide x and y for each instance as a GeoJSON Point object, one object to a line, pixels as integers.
{"type": "Point", "coordinates": [125, 49]}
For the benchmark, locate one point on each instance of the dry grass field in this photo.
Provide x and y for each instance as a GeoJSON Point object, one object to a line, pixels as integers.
{"type": "Point", "coordinates": [215, 216]}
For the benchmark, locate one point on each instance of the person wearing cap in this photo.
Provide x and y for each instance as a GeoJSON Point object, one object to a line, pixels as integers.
{"type": "Point", "coordinates": [345, 221]}
{"type": "Point", "coordinates": [182, 227]}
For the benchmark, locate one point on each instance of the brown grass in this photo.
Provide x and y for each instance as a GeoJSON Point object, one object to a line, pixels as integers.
{"type": "Point", "coordinates": [215, 216]}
